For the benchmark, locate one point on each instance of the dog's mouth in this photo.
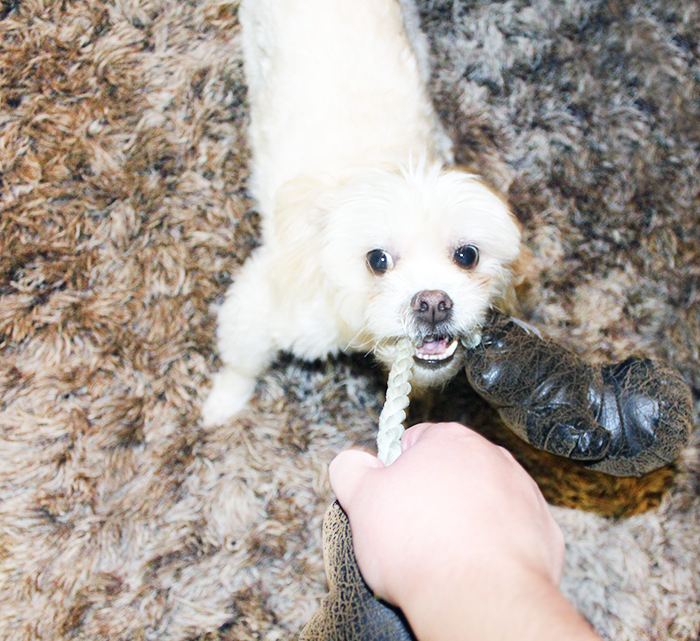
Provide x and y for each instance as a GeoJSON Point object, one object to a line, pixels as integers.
{"type": "Point", "coordinates": [436, 351]}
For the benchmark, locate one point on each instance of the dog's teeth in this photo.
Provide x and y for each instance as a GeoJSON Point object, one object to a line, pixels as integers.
{"type": "Point", "coordinates": [452, 347]}
{"type": "Point", "coordinates": [432, 357]}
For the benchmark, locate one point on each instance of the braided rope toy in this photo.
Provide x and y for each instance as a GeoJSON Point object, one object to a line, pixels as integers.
{"type": "Point", "coordinates": [398, 388]}
{"type": "Point", "coordinates": [394, 411]}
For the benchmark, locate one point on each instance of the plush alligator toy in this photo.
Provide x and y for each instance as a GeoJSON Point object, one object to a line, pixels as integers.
{"type": "Point", "coordinates": [623, 419]}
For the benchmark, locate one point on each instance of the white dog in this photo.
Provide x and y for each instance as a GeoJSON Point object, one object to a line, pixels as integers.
{"type": "Point", "coordinates": [369, 234]}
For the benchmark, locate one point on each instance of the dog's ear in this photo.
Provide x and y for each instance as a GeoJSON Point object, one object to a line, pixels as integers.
{"type": "Point", "coordinates": [524, 273]}
{"type": "Point", "coordinates": [524, 269]}
{"type": "Point", "coordinates": [295, 234]}
{"type": "Point", "coordinates": [297, 204]}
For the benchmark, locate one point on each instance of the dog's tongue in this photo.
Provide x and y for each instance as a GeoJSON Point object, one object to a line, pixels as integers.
{"type": "Point", "coordinates": [433, 347]}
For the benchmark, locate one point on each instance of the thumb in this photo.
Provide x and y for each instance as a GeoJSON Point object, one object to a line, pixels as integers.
{"type": "Point", "coordinates": [348, 471]}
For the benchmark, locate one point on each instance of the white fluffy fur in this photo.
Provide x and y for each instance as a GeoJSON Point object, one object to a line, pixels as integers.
{"type": "Point", "coordinates": [348, 157]}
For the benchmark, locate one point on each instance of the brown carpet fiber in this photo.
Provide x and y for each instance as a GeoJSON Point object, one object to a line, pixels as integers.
{"type": "Point", "coordinates": [124, 216]}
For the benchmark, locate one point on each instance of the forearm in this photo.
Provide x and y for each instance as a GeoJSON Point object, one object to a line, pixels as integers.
{"type": "Point", "coordinates": [514, 604]}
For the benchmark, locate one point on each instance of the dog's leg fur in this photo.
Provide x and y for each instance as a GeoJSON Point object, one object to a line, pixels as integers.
{"type": "Point", "coordinates": [246, 346]}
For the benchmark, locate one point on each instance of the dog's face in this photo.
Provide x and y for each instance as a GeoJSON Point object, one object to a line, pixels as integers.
{"type": "Point", "coordinates": [420, 253]}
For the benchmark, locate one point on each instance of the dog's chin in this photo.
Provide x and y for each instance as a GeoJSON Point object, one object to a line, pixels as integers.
{"type": "Point", "coordinates": [437, 360]}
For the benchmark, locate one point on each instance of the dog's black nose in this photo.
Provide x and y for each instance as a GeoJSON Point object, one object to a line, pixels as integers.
{"type": "Point", "coordinates": [432, 306]}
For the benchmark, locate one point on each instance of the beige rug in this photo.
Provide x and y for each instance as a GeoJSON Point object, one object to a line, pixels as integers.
{"type": "Point", "coordinates": [124, 216]}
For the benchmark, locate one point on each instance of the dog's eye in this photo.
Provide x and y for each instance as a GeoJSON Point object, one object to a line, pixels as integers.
{"type": "Point", "coordinates": [379, 261]}
{"type": "Point", "coordinates": [466, 256]}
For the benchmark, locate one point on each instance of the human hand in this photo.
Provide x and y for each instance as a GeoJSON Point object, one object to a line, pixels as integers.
{"type": "Point", "coordinates": [450, 496]}
{"type": "Point", "coordinates": [454, 521]}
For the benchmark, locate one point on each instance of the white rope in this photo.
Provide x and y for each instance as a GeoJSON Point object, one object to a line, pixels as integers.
{"type": "Point", "coordinates": [394, 411]}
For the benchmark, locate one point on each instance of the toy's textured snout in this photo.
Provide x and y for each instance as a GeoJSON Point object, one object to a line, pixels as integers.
{"type": "Point", "coordinates": [350, 611]}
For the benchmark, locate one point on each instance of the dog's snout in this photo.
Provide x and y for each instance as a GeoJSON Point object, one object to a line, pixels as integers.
{"type": "Point", "coordinates": [432, 306]}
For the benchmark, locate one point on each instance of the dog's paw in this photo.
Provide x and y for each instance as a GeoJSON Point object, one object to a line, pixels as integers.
{"type": "Point", "coordinates": [230, 393]}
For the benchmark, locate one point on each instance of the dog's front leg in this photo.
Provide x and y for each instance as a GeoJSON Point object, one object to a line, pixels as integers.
{"type": "Point", "coordinates": [246, 341]}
